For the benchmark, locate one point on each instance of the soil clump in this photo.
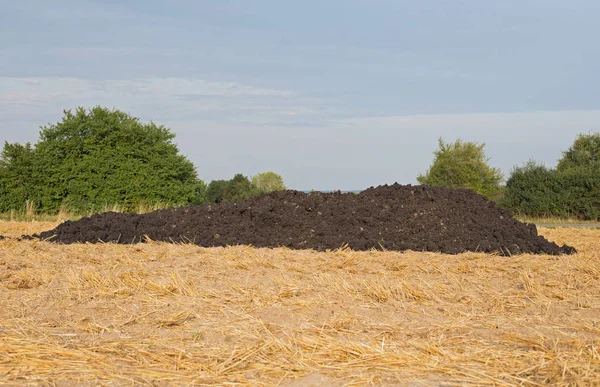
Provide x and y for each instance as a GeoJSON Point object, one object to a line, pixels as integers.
{"type": "Point", "coordinates": [388, 217]}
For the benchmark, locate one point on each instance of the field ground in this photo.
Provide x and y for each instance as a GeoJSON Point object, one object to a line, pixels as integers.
{"type": "Point", "coordinates": [162, 314]}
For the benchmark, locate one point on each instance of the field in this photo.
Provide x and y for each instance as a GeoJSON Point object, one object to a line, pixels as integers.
{"type": "Point", "coordinates": [163, 314]}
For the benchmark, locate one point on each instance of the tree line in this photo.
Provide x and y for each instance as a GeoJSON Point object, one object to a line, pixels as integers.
{"type": "Point", "coordinates": [95, 158]}
{"type": "Point", "coordinates": [571, 190]}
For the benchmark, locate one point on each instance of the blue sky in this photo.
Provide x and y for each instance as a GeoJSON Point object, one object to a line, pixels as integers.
{"type": "Point", "coordinates": [330, 94]}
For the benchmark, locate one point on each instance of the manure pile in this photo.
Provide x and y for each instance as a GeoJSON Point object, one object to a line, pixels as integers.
{"type": "Point", "coordinates": [395, 217]}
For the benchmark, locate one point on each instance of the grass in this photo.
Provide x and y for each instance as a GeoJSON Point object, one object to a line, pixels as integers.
{"type": "Point", "coordinates": [554, 220]}
{"type": "Point", "coordinates": [179, 314]}
{"type": "Point", "coordinates": [29, 212]}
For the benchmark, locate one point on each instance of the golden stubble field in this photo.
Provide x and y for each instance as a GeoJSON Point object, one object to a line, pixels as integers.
{"type": "Point", "coordinates": [162, 314]}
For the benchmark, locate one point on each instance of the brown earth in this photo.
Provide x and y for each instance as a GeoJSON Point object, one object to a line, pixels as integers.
{"type": "Point", "coordinates": [395, 217]}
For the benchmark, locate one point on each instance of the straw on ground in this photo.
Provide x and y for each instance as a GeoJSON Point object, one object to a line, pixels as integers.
{"type": "Point", "coordinates": [178, 314]}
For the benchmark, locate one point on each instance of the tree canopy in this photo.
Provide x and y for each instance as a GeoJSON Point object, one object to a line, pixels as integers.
{"type": "Point", "coordinates": [572, 189]}
{"type": "Point", "coordinates": [240, 187]}
{"type": "Point", "coordinates": [268, 182]}
{"type": "Point", "coordinates": [584, 153]}
{"type": "Point", "coordinates": [98, 157]}
{"type": "Point", "coordinates": [463, 165]}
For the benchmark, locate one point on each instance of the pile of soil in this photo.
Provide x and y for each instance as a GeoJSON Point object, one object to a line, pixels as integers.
{"type": "Point", "coordinates": [392, 217]}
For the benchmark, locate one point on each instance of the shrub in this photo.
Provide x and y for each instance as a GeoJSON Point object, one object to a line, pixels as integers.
{"type": "Point", "coordinates": [570, 190]}
{"type": "Point", "coordinates": [463, 165]}
{"type": "Point", "coordinates": [268, 182]}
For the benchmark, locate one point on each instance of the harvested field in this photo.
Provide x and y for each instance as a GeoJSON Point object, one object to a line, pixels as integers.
{"type": "Point", "coordinates": [163, 314]}
{"type": "Point", "coordinates": [395, 217]}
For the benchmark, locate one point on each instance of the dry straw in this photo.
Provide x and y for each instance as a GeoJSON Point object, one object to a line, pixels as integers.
{"type": "Point", "coordinates": [163, 314]}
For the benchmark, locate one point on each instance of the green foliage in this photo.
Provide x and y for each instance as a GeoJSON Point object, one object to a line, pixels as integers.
{"type": "Point", "coordinates": [463, 165]}
{"type": "Point", "coordinates": [238, 188]}
{"type": "Point", "coordinates": [94, 158]}
{"type": "Point", "coordinates": [16, 170]}
{"type": "Point", "coordinates": [533, 189]}
{"type": "Point", "coordinates": [241, 188]}
{"type": "Point", "coordinates": [215, 193]}
{"type": "Point", "coordinates": [585, 152]}
{"type": "Point", "coordinates": [572, 190]}
{"type": "Point", "coordinates": [268, 182]}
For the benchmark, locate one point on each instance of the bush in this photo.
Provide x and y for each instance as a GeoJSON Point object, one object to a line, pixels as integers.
{"type": "Point", "coordinates": [580, 193]}
{"type": "Point", "coordinates": [584, 153]}
{"type": "Point", "coordinates": [268, 182]}
{"type": "Point", "coordinates": [534, 190]}
{"type": "Point", "coordinates": [16, 170]}
{"type": "Point", "coordinates": [96, 158]}
{"type": "Point", "coordinates": [238, 188]}
{"type": "Point", "coordinates": [463, 165]}
{"type": "Point", "coordinates": [571, 190]}
{"type": "Point", "coordinates": [241, 187]}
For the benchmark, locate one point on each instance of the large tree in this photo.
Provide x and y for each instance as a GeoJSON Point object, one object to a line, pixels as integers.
{"type": "Point", "coordinates": [98, 157]}
{"type": "Point", "coordinates": [463, 165]}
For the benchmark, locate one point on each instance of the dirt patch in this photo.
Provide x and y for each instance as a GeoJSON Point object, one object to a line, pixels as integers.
{"type": "Point", "coordinates": [395, 217]}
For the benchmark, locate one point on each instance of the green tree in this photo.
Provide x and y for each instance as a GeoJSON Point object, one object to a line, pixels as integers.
{"type": "Point", "coordinates": [268, 182]}
{"type": "Point", "coordinates": [584, 153]}
{"type": "Point", "coordinates": [533, 189]}
{"type": "Point", "coordinates": [570, 190]}
{"type": "Point", "coordinates": [16, 171]}
{"type": "Point", "coordinates": [98, 157]}
{"type": "Point", "coordinates": [215, 193]}
{"type": "Point", "coordinates": [463, 165]}
{"type": "Point", "coordinates": [239, 188]}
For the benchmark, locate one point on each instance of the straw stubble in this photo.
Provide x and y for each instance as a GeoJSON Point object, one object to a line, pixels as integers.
{"type": "Point", "coordinates": [165, 314]}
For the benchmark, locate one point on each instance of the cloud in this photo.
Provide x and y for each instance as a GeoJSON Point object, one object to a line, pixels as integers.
{"type": "Point", "coordinates": [152, 98]}
{"type": "Point", "coordinates": [527, 121]}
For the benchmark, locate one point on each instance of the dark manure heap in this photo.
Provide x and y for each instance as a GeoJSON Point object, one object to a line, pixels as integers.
{"type": "Point", "coordinates": [395, 217]}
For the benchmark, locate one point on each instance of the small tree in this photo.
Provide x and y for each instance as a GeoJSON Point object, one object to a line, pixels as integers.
{"type": "Point", "coordinates": [463, 165]}
{"type": "Point", "coordinates": [239, 188]}
{"type": "Point", "coordinates": [584, 153]}
{"type": "Point", "coordinates": [215, 192]}
{"type": "Point", "coordinates": [268, 182]}
{"type": "Point", "coordinates": [16, 171]}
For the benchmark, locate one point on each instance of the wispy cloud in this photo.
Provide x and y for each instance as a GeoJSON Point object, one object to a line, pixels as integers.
{"type": "Point", "coordinates": [169, 99]}
{"type": "Point", "coordinates": [524, 123]}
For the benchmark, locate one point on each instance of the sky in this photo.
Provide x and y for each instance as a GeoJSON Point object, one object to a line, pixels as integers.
{"type": "Point", "coordinates": [330, 94]}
